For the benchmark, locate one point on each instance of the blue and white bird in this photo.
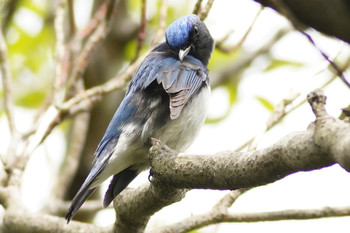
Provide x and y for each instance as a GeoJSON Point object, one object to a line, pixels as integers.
{"type": "Point", "coordinates": [167, 99]}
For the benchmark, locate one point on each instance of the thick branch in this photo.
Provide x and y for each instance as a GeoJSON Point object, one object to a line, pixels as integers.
{"type": "Point", "coordinates": [233, 170]}
{"type": "Point", "coordinates": [135, 207]}
{"type": "Point", "coordinates": [330, 19]}
{"type": "Point", "coordinates": [331, 134]}
{"type": "Point", "coordinates": [326, 143]}
{"type": "Point", "coordinates": [20, 221]}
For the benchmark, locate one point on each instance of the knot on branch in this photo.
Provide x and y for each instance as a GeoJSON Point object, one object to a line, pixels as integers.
{"type": "Point", "coordinates": [159, 156]}
{"type": "Point", "coordinates": [159, 149]}
{"type": "Point", "coordinates": [317, 101]}
{"type": "Point", "coordinates": [330, 134]}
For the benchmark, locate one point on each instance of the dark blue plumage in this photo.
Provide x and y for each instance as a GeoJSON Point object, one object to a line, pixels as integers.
{"type": "Point", "coordinates": [166, 99]}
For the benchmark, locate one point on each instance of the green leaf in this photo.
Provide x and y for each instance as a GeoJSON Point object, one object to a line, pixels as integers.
{"type": "Point", "coordinates": [231, 88]}
{"type": "Point", "coordinates": [267, 104]}
{"type": "Point", "coordinates": [232, 91]}
{"type": "Point", "coordinates": [277, 63]}
{"type": "Point", "coordinates": [219, 59]}
{"type": "Point", "coordinates": [32, 99]}
{"type": "Point", "coordinates": [36, 50]}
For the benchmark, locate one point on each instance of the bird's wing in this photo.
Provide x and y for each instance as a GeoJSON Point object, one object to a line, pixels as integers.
{"type": "Point", "coordinates": [180, 79]}
{"type": "Point", "coordinates": [127, 110]}
{"type": "Point", "coordinates": [110, 139]}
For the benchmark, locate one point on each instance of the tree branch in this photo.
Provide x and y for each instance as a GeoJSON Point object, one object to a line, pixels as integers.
{"type": "Point", "coordinates": [214, 216]}
{"type": "Point", "coordinates": [7, 83]}
{"type": "Point", "coordinates": [21, 221]}
{"type": "Point", "coordinates": [289, 214]}
{"type": "Point", "coordinates": [60, 52]}
{"type": "Point", "coordinates": [162, 22]}
{"type": "Point", "coordinates": [335, 66]}
{"type": "Point", "coordinates": [197, 7]}
{"type": "Point", "coordinates": [219, 43]}
{"type": "Point", "coordinates": [76, 142]}
{"type": "Point", "coordinates": [203, 12]}
{"type": "Point", "coordinates": [94, 39]}
{"type": "Point", "coordinates": [317, 14]}
{"type": "Point", "coordinates": [135, 207]}
{"type": "Point", "coordinates": [141, 35]}
{"type": "Point", "coordinates": [74, 105]}
{"type": "Point", "coordinates": [330, 134]}
{"type": "Point", "coordinates": [239, 64]}
{"type": "Point", "coordinates": [324, 144]}
{"type": "Point", "coordinates": [233, 170]}
{"type": "Point", "coordinates": [198, 221]}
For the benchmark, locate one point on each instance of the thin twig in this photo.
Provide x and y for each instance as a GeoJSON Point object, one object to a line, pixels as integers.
{"type": "Point", "coordinates": [56, 114]}
{"type": "Point", "coordinates": [215, 215]}
{"type": "Point", "coordinates": [245, 60]}
{"type": "Point", "coordinates": [71, 17]}
{"type": "Point", "coordinates": [98, 17]}
{"type": "Point", "coordinates": [162, 22]}
{"type": "Point", "coordinates": [199, 221]}
{"type": "Point", "coordinates": [197, 7]}
{"type": "Point", "coordinates": [7, 83]}
{"type": "Point", "coordinates": [284, 10]}
{"type": "Point", "coordinates": [219, 43]}
{"type": "Point", "coordinates": [94, 93]}
{"type": "Point", "coordinates": [60, 75]}
{"type": "Point", "coordinates": [325, 212]}
{"type": "Point", "coordinates": [76, 142]}
{"type": "Point", "coordinates": [278, 113]}
{"type": "Point", "coordinates": [141, 35]}
{"type": "Point", "coordinates": [203, 13]}
{"type": "Point", "coordinates": [227, 201]}
{"type": "Point", "coordinates": [94, 39]}
{"type": "Point", "coordinates": [338, 70]}
{"type": "Point", "coordinates": [10, 7]}
{"type": "Point", "coordinates": [270, 125]}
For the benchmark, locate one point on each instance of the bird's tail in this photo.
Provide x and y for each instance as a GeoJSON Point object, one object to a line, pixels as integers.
{"type": "Point", "coordinates": [118, 184]}
{"type": "Point", "coordinates": [77, 202]}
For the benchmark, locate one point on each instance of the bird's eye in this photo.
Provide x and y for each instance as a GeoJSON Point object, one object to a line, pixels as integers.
{"type": "Point", "coordinates": [195, 30]}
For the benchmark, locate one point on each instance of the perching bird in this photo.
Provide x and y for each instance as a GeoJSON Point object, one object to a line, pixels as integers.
{"type": "Point", "coordinates": [167, 99]}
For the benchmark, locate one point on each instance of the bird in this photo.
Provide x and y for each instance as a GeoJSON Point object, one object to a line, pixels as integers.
{"type": "Point", "coordinates": [167, 98]}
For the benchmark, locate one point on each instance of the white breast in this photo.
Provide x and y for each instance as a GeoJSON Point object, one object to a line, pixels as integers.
{"type": "Point", "coordinates": [179, 134]}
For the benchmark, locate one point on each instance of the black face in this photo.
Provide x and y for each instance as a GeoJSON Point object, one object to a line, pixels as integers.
{"type": "Point", "coordinates": [202, 44]}
{"type": "Point", "coordinates": [190, 31]}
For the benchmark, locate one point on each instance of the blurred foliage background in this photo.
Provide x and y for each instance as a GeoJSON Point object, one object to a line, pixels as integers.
{"type": "Point", "coordinates": [28, 26]}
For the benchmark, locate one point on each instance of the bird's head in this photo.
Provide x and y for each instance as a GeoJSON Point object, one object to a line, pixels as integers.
{"type": "Point", "coordinates": [189, 35]}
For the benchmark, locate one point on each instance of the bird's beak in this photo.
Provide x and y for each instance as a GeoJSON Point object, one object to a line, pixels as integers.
{"type": "Point", "coordinates": [183, 53]}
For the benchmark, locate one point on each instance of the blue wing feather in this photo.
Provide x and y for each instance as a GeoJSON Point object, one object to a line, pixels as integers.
{"type": "Point", "coordinates": [180, 79]}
